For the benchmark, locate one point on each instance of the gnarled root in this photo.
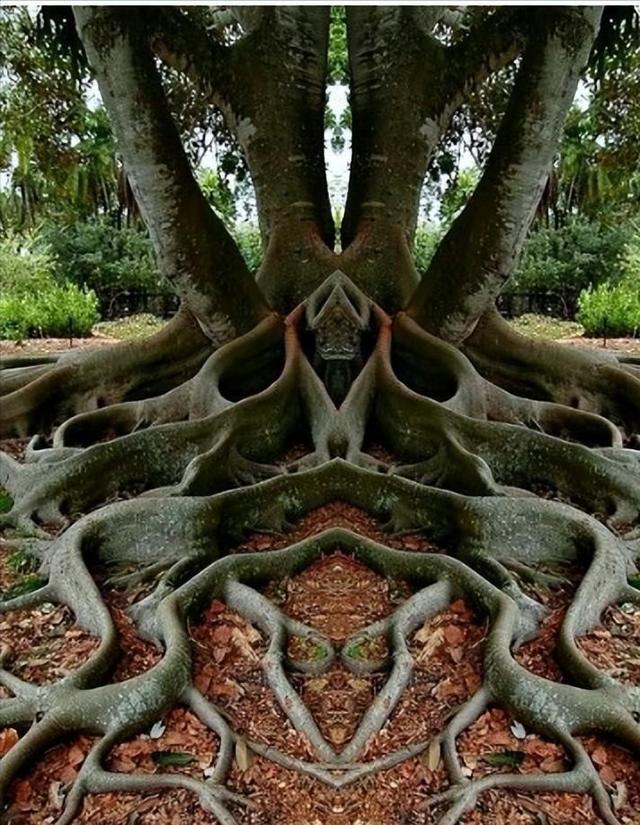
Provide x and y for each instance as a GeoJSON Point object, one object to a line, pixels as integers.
{"type": "Point", "coordinates": [597, 382]}
{"type": "Point", "coordinates": [35, 398]}
{"type": "Point", "coordinates": [208, 453]}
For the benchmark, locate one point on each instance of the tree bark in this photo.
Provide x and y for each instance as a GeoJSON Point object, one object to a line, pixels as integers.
{"type": "Point", "coordinates": [390, 61]}
{"type": "Point", "coordinates": [192, 246]}
{"type": "Point", "coordinates": [339, 413]}
{"type": "Point", "coordinates": [481, 249]}
{"type": "Point", "coordinates": [405, 86]}
{"type": "Point", "coordinates": [276, 110]}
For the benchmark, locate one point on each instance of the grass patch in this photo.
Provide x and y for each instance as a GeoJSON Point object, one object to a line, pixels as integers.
{"type": "Point", "coordinates": [21, 562]}
{"type": "Point", "coordinates": [543, 326]}
{"type": "Point", "coordinates": [26, 585]}
{"type": "Point", "coordinates": [6, 502]}
{"type": "Point", "coordinates": [127, 329]}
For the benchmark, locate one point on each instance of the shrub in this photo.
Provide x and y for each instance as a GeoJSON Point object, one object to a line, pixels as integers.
{"type": "Point", "coordinates": [580, 254]}
{"type": "Point", "coordinates": [33, 303]}
{"type": "Point", "coordinates": [614, 308]}
{"type": "Point", "coordinates": [21, 270]}
{"type": "Point", "coordinates": [611, 309]}
{"type": "Point", "coordinates": [52, 312]}
{"type": "Point", "coordinates": [98, 255]}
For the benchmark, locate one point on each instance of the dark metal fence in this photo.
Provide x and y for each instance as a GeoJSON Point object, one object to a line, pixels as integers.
{"type": "Point", "coordinates": [561, 304]}
{"type": "Point", "coordinates": [121, 303]}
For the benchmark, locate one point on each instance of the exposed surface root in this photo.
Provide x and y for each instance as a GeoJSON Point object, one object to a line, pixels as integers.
{"type": "Point", "coordinates": [37, 397]}
{"type": "Point", "coordinates": [288, 603]}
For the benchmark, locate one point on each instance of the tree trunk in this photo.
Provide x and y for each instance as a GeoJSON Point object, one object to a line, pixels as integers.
{"type": "Point", "coordinates": [484, 243]}
{"type": "Point", "coordinates": [277, 114]}
{"type": "Point", "coordinates": [193, 249]}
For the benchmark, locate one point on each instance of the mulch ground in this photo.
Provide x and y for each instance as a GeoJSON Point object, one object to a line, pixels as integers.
{"type": "Point", "coordinates": [52, 346]}
{"type": "Point", "coordinates": [338, 596]}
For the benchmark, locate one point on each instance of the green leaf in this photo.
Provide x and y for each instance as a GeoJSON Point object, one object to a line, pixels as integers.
{"type": "Point", "coordinates": [172, 758]}
{"type": "Point", "coordinates": [504, 758]}
{"type": "Point", "coordinates": [6, 502]}
{"type": "Point", "coordinates": [634, 581]}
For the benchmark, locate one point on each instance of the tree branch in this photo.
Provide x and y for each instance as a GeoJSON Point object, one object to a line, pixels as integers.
{"type": "Point", "coordinates": [194, 250]}
{"type": "Point", "coordinates": [184, 45]}
{"type": "Point", "coordinates": [481, 249]}
{"type": "Point", "coordinates": [489, 46]}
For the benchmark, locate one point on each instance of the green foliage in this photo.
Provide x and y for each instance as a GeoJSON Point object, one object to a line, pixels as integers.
{"type": "Point", "coordinates": [21, 562]}
{"type": "Point", "coordinates": [575, 256]}
{"type": "Point", "coordinates": [58, 150]}
{"type": "Point", "coordinates": [218, 194]}
{"type": "Point", "coordinates": [172, 758]}
{"type": "Point", "coordinates": [504, 759]}
{"type": "Point", "coordinates": [33, 303]}
{"type": "Point", "coordinates": [338, 64]}
{"type": "Point", "coordinates": [21, 270]}
{"type": "Point", "coordinates": [426, 240]}
{"type": "Point", "coordinates": [338, 127]}
{"type": "Point", "coordinates": [457, 194]}
{"type": "Point", "coordinates": [6, 502]}
{"type": "Point", "coordinates": [54, 312]}
{"type": "Point", "coordinates": [612, 310]}
{"type": "Point", "coordinates": [99, 256]}
{"type": "Point", "coordinates": [26, 585]}
{"type": "Point", "coordinates": [248, 239]}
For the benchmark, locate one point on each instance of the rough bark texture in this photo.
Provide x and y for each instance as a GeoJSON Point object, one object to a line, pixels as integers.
{"type": "Point", "coordinates": [479, 426]}
{"type": "Point", "coordinates": [485, 241]}
{"type": "Point", "coordinates": [192, 246]}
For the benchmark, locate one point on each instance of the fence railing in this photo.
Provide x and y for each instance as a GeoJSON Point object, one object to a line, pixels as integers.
{"type": "Point", "coordinates": [560, 304]}
{"type": "Point", "coordinates": [121, 303]}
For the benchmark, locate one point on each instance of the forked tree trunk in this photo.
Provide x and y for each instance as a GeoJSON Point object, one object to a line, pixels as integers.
{"type": "Point", "coordinates": [193, 249]}
{"type": "Point", "coordinates": [482, 248]}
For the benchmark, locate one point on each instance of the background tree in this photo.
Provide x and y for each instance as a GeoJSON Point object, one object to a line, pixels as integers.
{"type": "Point", "coordinates": [330, 347]}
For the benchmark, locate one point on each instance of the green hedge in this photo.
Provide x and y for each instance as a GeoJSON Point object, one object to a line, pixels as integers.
{"type": "Point", "coordinates": [612, 310]}
{"type": "Point", "coordinates": [100, 256]}
{"type": "Point", "coordinates": [33, 303]}
{"type": "Point", "coordinates": [581, 254]}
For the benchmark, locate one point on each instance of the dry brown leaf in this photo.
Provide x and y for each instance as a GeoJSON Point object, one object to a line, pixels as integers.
{"type": "Point", "coordinates": [431, 639]}
{"type": "Point", "coordinates": [454, 635]}
{"type": "Point", "coordinates": [433, 754]}
{"type": "Point", "coordinates": [243, 644]}
{"type": "Point", "coordinates": [607, 775]}
{"type": "Point", "coordinates": [600, 756]}
{"type": "Point", "coordinates": [243, 756]}
{"type": "Point", "coordinates": [8, 738]}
